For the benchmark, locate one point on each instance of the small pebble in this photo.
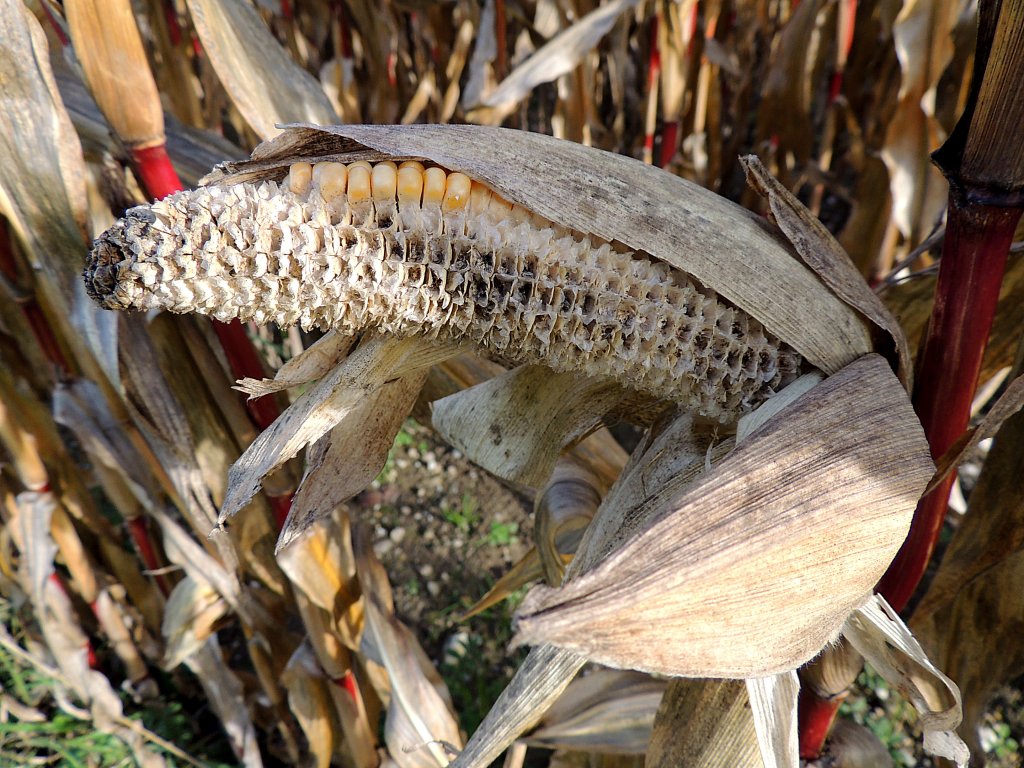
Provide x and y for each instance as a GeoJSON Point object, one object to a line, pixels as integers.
{"type": "Point", "coordinates": [455, 646]}
{"type": "Point", "coordinates": [397, 534]}
{"type": "Point", "coordinates": [382, 547]}
{"type": "Point", "coordinates": [433, 588]}
{"type": "Point", "coordinates": [426, 570]}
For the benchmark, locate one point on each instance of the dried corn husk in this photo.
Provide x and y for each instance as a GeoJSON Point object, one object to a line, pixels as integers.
{"type": "Point", "coordinates": [488, 422]}
{"type": "Point", "coordinates": [704, 724]}
{"type": "Point", "coordinates": [723, 632]}
{"type": "Point", "coordinates": [338, 396]}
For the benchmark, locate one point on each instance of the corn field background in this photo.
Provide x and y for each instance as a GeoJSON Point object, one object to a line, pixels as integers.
{"type": "Point", "coordinates": [358, 609]}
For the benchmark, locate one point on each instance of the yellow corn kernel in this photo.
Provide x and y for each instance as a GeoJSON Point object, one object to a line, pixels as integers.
{"type": "Point", "coordinates": [358, 183]}
{"type": "Point", "coordinates": [330, 180]}
{"type": "Point", "coordinates": [456, 192]}
{"type": "Point", "coordinates": [299, 177]}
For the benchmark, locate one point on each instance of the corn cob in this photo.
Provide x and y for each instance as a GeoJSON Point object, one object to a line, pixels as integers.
{"type": "Point", "coordinates": [412, 250]}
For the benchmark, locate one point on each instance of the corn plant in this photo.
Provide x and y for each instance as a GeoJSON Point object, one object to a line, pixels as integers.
{"type": "Point", "coordinates": [707, 599]}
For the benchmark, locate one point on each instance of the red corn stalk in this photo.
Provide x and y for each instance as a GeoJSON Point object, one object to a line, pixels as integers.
{"type": "Point", "coordinates": [984, 162]}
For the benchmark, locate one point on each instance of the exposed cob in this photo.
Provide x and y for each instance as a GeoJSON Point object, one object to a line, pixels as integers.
{"type": "Point", "coordinates": [411, 251]}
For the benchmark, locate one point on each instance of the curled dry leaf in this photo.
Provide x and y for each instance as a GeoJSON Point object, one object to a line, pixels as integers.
{"type": "Point", "coordinates": [766, 534]}
{"type": "Point", "coordinates": [563, 510]}
{"type": "Point", "coordinates": [878, 634]}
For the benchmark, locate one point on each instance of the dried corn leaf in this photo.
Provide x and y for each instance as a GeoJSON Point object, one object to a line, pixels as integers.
{"type": "Point", "coordinates": [63, 635]}
{"type": "Point", "coordinates": [481, 64]}
{"type": "Point", "coordinates": [557, 57]}
{"type": "Point", "coordinates": [104, 33]}
{"type": "Point", "coordinates": [911, 301]}
{"type": "Point", "coordinates": [42, 181]}
{"type": "Point", "coordinates": [310, 701]}
{"type": "Point", "coordinates": [227, 699]}
{"type": "Point", "coordinates": [197, 563]}
{"type": "Point", "coordinates": [360, 744]}
{"type": "Point", "coordinates": [190, 617]}
{"type": "Point", "coordinates": [924, 45]}
{"type": "Point", "coordinates": [975, 636]}
{"type": "Point", "coordinates": [421, 729]}
{"type": "Point", "coordinates": [80, 406]}
{"type": "Point", "coordinates": [762, 528]}
{"type": "Point", "coordinates": [622, 201]}
{"type": "Point", "coordinates": [541, 678]}
{"type": "Point", "coordinates": [606, 711]}
{"type": "Point", "coordinates": [969, 617]}
{"type": "Point", "coordinates": [516, 424]}
{"type": "Point", "coordinates": [878, 634]}
{"type": "Point", "coordinates": [526, 570]}
{"type": "Point", "coordinates": [264, 83]}
{"type": "Point", "coordinates": [991, 532]}
{"type": "Point", "coordinates": [321, 565]}
{"type": "Point", "coordinates": [335, 397]}
{"type": "Point", "coordinates": [785, 114]}
{"type": "Point", "coordinates": [704, 724]}
{"type": "Point", "coordinates": [820, 251]}
{"type": "Point", "coordinates": [350, 456]}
